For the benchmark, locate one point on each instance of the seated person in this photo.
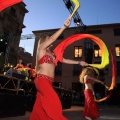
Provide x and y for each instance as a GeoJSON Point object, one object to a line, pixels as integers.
{"type": "Point", "coordinates": [19, 65]}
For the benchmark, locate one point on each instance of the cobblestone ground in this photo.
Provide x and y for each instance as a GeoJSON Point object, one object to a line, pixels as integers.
{"type": "Point", "coordinates": [106, 113]}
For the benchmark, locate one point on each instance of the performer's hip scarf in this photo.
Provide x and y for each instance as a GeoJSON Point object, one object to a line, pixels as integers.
{"type": "Point", "coordinates": [47, 105]}
{"type": "Point", "coordinates": [90, 109]}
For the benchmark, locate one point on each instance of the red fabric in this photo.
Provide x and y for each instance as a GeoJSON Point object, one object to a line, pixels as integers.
{"type": "Point", "coordinates": [47, 105]}
{"type": "Point", "coordinates": [87, 82]}
{"type": "Point", "coordinates": [33, 73]}
{"type": "Point", "coordinates": [90, 109]}
{"type": "Point", "coordinates": [46, 59]}
{"type": "Point", "coordinates": [113, 71]}
{"type": "Point", "coordinates": [6, 3]}
{"type": "Point", "coordinates": [20, 66]}
{"type": "Point", "coordinates": [59, 50]}
{"type": "Point", "coordinates": [113, 79]}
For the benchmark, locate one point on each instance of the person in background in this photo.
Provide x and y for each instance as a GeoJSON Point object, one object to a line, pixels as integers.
{"type": "Point", "coordinates": [47, 105]}
{"type": "Point", "coordinates": [87, 78]}
{"type": "Point", "coordinates": [19, 64]}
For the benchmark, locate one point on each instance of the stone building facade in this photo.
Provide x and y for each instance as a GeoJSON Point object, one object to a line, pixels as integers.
{"type": "Point", "coordinates": [11, 25]}
{"type": "Point", "coordinates": [25, 56]}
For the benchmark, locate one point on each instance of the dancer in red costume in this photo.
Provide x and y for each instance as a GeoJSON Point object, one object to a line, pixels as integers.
{"type": "Point", "coordinates": [87, 78]}
{"type": "Point", "coordinates": [47, 105]}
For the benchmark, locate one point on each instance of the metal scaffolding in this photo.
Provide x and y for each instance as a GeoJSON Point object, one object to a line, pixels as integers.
{"type": "Point", "coordinates": [70, 6]}
{"type": "Point", "coordinates": [76, 17]}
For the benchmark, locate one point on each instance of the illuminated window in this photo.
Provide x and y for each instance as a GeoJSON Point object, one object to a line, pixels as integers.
{"type": "Point", "coordinates": [97, 51]}
{"type": "Point", "coordinates": [77, 51]}
{"type": "Point", "coordinates": [117, 50]}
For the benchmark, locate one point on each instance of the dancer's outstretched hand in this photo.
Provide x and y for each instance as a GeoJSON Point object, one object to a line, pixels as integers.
{"type": "Point", "coordinates": [67, 22]}
{"type": "Point", "coordinates": [83, 63]}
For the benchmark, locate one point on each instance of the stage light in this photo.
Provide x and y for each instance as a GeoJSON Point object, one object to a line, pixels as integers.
{"type": "Point", "coordinates": [77, 21]}
{"type": "Point", "coordinates": [1, 40]}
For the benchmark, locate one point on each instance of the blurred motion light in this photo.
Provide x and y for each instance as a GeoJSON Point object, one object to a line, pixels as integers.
{"type": "Point", "coordinates": [77, 21]}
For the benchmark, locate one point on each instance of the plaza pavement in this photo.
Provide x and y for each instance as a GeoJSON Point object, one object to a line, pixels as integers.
{"type": "Point", "coordinates": [75, 113]}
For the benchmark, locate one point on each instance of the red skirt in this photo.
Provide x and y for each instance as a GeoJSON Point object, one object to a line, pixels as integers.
{"type": "Point", "coordinates": [90, 109]}
{"type": "Point", "coordinates": [47, 105]}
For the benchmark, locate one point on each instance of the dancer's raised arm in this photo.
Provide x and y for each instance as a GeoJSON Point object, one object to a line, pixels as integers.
{"type": "Point", "coordinates": [54, 37]}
